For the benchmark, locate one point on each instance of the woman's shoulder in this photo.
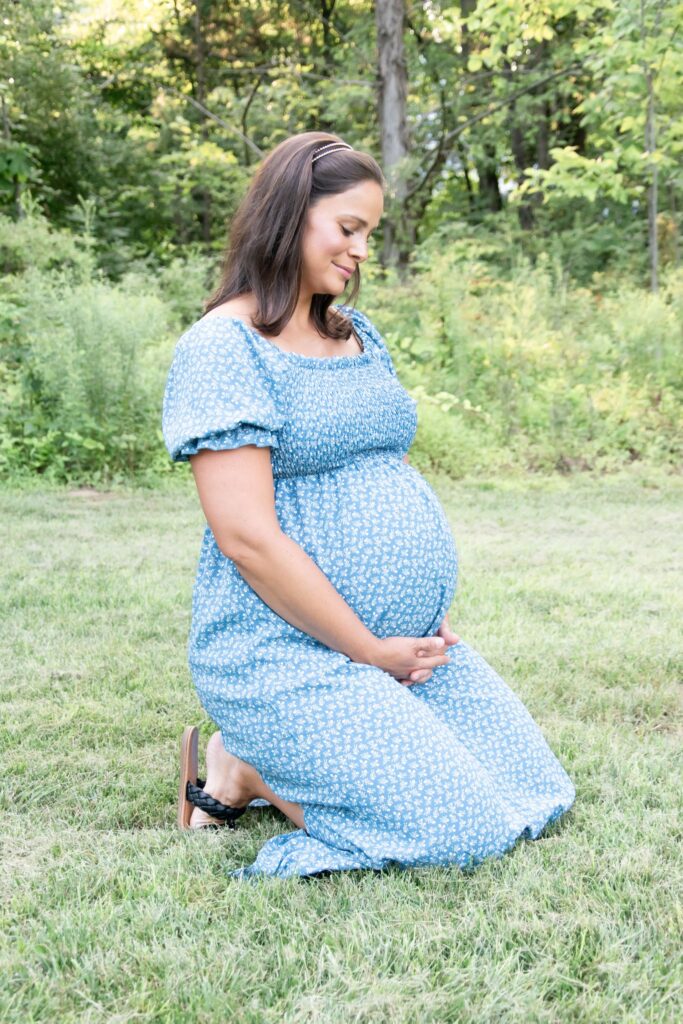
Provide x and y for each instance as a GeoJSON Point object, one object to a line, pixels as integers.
{"type": "Point", "coordinates": [361, 319]}
{"type": "Point", "coordinates": [218, 345]}
{"type": "Point", "coordinates": [230, 326]}
{"type": "Point", "coordinates": [222, 327]}
{"type": "Point", "coordinates": [356, 316]}
{"type": "Point", "coordinates": [238, 308]}
{"type": "Point", "coordinates": [371, 334]}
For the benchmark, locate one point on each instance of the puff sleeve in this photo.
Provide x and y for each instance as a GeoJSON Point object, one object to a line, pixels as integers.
{"type": "Point", "coordinates": [368, 329]}
{"type": "Point", "coordinates": [218, 393]}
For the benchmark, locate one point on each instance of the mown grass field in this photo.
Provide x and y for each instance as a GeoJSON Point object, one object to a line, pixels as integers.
{"type": "Point", "coordinates": [571, 587]}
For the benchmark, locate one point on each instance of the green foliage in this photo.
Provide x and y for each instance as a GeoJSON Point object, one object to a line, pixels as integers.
{"type": "Point", "coordinates": [576, 177]}
{"type": "Point", "coordinates": [80, 398]}
{"type": "Point", "coordinates": [156, 114]}
{"type": "Point", "coordinates": [32, 243]}
{"type": "Point", "coordinates": [182, 283]}
{"type": "Point", "coordinates": [453, 442]}
{"type": "Point", "coordinates": [17, 165]}
{"type": "Point", "coordinates": [514, 370]}
{"type": "Point", "coordinates": [541, 374]}
{"type": "Point", "coordinates": [641, 53]}
{"type": "Point", "coordinates": [49, 115]}
{"type": "Point", "coordinates": [82, 368]}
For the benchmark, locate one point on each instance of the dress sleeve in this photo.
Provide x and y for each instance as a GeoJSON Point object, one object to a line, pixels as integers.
{"type": "Point", "coordinates": [368, 329]}
{"type": "Point", "coordinates": [218, 394]}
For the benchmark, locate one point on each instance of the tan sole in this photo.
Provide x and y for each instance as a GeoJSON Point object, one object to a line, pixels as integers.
{"type": "Point", "coordinates": [189, 748]}
{"type": "Point", "coordinates": [189, 769]}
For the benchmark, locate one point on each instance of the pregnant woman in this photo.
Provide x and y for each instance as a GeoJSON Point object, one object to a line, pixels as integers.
{"type": "Point", "coordinates": [320, 644]}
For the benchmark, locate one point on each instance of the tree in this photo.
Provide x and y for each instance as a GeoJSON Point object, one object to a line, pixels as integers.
{"type": "Point", "coordinates": [632, 114]}
{"type": "Point", "coordinates": [392, 77]}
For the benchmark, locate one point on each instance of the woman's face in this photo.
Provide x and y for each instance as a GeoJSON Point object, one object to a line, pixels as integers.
{"type": "Point", "coordinates": [336, 234]}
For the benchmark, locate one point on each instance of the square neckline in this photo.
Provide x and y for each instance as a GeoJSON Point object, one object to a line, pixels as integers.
{"type": "Point", "coordinates": [361, 356]}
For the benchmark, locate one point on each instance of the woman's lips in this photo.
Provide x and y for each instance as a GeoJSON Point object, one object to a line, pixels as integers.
{"type": "Point", "coordinates": [343, 270]}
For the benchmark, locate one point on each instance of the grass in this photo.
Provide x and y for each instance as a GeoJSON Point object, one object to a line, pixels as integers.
{"type": "Point", "coordinates": [570, 587]}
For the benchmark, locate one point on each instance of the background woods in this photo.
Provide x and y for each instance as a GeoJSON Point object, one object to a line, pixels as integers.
{"type": "Point", "coordinates": [531, 237]}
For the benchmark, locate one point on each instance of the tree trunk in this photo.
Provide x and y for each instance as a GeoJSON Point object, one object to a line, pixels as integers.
{"type": "Point", "coordinates": [16, 184]}
{"type": "Point", "coordinates": [674, 215]}
{"type": "Point", "coordinates": [200, 88]}
{"type": "Point", "coordinates": [487, 165]}
{"type": "Point", "coordinates": [523, 158]}
{"type": "Point", "coordinates": [393, 89]}
{"type": "Point", "coordinates": [462, 154]}
{"type": "Point", "coordinates": [543, 137]}
{"type": "Point", "coordinates": [487, 171]}
{"type": "Point", "coordinates": [650, 146]}
{"type": "Point", "coordinates": [326, 10]}
{"type": "Point", "coordinates": [529, 147]}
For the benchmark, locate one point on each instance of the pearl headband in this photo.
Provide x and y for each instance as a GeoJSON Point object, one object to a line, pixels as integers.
{"type": "Point", "coordinates": [331, 147]}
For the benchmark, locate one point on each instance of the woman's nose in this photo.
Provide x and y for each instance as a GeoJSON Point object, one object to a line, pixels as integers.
{"type": "Point", "coordinates": [358, 249]}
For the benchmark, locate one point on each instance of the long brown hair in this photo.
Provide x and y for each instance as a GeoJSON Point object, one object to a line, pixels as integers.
{"type": "Point", "coordinates": [264, 251]}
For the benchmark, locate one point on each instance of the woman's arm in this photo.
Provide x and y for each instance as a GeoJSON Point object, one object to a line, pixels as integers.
{"type": "Point", "coordinates": [238, 498]}
{"type": "Point", "coordinates": [405, 459]}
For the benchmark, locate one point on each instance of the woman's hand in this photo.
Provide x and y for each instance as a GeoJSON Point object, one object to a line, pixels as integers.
{"type": "Point", "coordinates": [402, 656]}
{"type": "Point", "coordinates": [449, 637]}
{"type": "Point", "coordinates": [447, 633]}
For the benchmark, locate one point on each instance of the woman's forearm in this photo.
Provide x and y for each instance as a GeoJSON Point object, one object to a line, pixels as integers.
{"type": "Point", "coordinates": [291, 583]}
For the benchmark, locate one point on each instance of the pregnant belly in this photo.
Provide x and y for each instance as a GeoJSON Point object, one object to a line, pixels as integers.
{"type": "Point", "coordinates": [380, 535]}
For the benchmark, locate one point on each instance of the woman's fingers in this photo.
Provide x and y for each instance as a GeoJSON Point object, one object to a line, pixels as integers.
{"type": "Point", "coordinates": [431, 651]}
{"type": "Point", "coordinates": [429, 644]}
{"type": "Point", "coordinates": [419, 676]}
{"type": "Point", "coordinates": [439, 659]}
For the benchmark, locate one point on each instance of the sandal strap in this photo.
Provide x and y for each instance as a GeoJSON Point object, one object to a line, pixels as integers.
{"type": "Point", "coordinates": [200, 798]}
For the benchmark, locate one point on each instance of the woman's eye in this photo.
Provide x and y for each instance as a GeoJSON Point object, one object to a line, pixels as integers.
{"type": "Point", "coordinates": [347, 233]}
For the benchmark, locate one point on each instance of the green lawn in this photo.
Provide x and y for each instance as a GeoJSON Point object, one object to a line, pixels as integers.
{"type": "Point", "coordinates": [570, 587]}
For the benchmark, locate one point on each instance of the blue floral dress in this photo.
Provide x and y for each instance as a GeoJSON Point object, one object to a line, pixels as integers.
{"type": "Point", "coordinates": [450, 771]}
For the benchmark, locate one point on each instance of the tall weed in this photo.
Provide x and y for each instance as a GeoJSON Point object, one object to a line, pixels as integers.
{"type": "Point", "coordinates": [82, 384]}
{"type": "Point", "coordinates": [514, 370]}
{"type": "Point", "coordinates": [544, 374]}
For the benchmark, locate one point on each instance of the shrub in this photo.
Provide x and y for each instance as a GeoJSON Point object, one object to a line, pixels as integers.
{"type": "Point", "coordinates": [516, 370]}
{"type": "Point", "coordinates": [567, 377]}
{"type": "Point", "coordinates": [31, 243]}
{"type": "Point", "coordinates": [81, 382]}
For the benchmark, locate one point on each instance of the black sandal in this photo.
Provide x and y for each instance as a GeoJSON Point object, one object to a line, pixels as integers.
{"type": "Point", "coordinates": [191, 792]}
{"type": "Point", "coordinates": [223, 814]}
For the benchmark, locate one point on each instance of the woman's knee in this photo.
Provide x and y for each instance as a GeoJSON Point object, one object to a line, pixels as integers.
{"type": "Point", "coordinates": [455, 817]}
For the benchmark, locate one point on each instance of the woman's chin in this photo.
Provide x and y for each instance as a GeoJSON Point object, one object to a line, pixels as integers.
{"type": "Point", "coordinates": [332, 285]}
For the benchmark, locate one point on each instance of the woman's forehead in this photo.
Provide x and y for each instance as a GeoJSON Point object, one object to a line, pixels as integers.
{"type": "Point", "coordinates": [364, 202]}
